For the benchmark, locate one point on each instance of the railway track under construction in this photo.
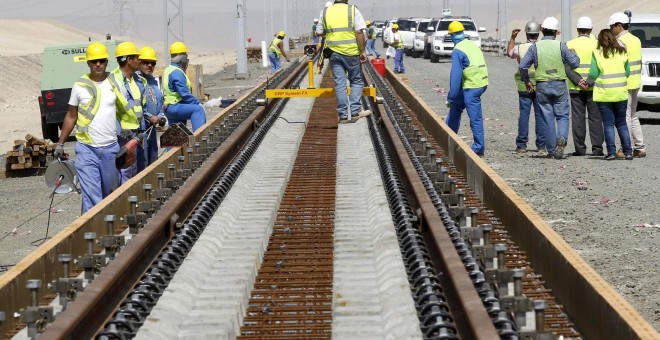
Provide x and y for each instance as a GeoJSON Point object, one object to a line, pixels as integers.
{"type": "Point", "coordinates": [278, 223]}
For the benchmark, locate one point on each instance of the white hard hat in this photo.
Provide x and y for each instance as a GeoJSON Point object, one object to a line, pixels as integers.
{"type": "Point", "coordinates": [619, 17]}
{"type": "Point", "coordinates": [316, 20]}
{"type": "Point", "coordinates": [328, 4]}
{"type": "Point", "coordinates": [585, 23]}
{"type": "Point", "coordinates": [550, 23]}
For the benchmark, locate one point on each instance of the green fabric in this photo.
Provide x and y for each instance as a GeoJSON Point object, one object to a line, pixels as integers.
{"type": "Point", "coordinates": [522, 50]}
{"type": "Point", "coordinates": [611, 84]}
{"type": "Point", "coordinates": [274, 48]}
{"type": "Point", "coordinates": [584, 46]}
{"type": "Point", "coordinates": [172, 97]}
{"type": "Point", "coordinates": [339, 28]}
{"type": "Point", "coordinates": [550, 63]}
{"type": "Point", "coordinates": [476, 74]}
{"type": "Point", "coordinates": [634, 49]}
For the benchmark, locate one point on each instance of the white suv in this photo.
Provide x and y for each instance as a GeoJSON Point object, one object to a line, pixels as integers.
{"type": "Point", "coordinates": [441, 43]}
{"type": "Point", "coordinates": [646, 27]}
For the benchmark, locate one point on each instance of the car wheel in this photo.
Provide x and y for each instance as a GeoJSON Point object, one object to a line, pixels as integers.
{"type": "Point", "coordinates": [427, 52]}
{"type": "Point", "coordinates": [435, 58]}
{"type": "Point", "coordinates": [407, 51]}
{"type": "Point", "coordinates": [415, 54]}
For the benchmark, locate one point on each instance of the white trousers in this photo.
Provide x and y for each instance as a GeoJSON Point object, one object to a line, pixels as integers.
{"type": "Point", "coordinates": [635, 128]}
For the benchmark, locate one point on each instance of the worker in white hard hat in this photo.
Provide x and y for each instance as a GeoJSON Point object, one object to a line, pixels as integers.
{"type": "Point", "coordinates": [526, 100]}
{"type": "Point", "coordinates": [582, 94]}
{"type": "Point", "coordinates": [619, 24]}
{"type": "Point", "coordinates": [275, 51]}
{"type": "Point", "coordinates": [315, 39]}
{"type": "Point", "coordinates": [549, 58]}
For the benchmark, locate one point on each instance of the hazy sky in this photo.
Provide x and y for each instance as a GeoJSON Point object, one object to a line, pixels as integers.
{"type": "Point", "coordinates": [211, 24]}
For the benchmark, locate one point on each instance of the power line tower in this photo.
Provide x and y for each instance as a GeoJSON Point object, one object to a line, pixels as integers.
{"type": "Point", "coordinates": [123, 11]}
{"type": "Point", "coordinates": [173, 23]}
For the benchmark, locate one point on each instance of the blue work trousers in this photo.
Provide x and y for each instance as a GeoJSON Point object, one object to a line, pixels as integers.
{"type": "Point", "coordinates": [180, 113]}
{"type": "Point", "coordinates": [469, 99]}
{"type": "Point", "coordinates": [97, 173]}
{"type": "Point", "coordinates": [347, 68]}
{"type": "Point", "coordinates": [398, 61]}
{"type": "Point", "coordinates": [150, 146]}
{"type": "Point", "coordinates": [526, 101]}
{"type": "Point", "coordinates": [371, 48]}
{"type": "Point", "coordinates": [553, 99]}
{"type": "Point", "coordinates": [614, 115]}
{"type": "Point", "coordinates": [275, 63]}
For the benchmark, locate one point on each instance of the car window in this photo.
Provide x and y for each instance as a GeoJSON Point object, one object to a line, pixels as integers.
{"type": "Point", "coordinates": [648, 34]}
{"type": "Point", "coordinates": [422, 26]}
{"type": "Point", "coordinates": [433, 24]}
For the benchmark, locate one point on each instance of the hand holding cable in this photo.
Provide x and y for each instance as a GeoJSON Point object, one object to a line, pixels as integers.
{"type": "Point", "coordinates": [59, 151]}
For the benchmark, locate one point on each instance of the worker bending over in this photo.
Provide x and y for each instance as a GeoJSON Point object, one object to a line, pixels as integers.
{"type": "Point", "coordinates": [180, 104]}
{"type": "Point", "coordinates": [153, 106]}
{"type": "Point", "coordinates": [275, 51]}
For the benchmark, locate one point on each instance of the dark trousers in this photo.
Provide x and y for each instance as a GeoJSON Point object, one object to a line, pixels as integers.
{"type": "Point", "coordinates": [581, 103]}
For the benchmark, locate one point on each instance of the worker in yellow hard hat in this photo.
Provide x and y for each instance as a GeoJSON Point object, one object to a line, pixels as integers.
{"type": "Point", "coordinates": [153, 106]}
{"type": "Point", "coordinates": [180, 104]}
{"type": "Point", "coordinates": [371, 40]}
{"type": "Point", "coordinates": [275, 50]}
{"type": "Point", "coordinates": [93, 110]}
{"type": "Point", "coordinates": [397, 44]}
{"type": "Point", "coordinates": [468, 80]}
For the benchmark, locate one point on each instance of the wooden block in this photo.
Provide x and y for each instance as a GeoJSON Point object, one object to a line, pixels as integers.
{"type": "Point", "coordinates": [42, 158]}
{"type": "Point", "coordinates": [36, 163]}
{"type": "Point", "coordinates": [21, 160]}
{"type": "Point", "coordinates": [9, 154]}
{"type": "Point", "coordinates": [21, 153]}
{"type": "Point", "coordinates": [14, 153]}
{"type": "Point", "coordinates": [32, 140]}
{"type": "Point", "coordinates": [49, 159]}
{"type": "Point", "coordinates": [18, 142]}
{"type": "Point", "coordinates": [36, 147]}
{"type": "Point", "coordinates": [28, 165]}
{"type": "Point", "coordinates": [14, 166]}
{"type": "Point", "coordinates": [20, 166]}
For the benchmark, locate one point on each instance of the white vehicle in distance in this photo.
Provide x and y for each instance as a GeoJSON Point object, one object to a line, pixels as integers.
{"type": "Point", "coordinates": [420, 33]}
{"type": "Point", "coordinates": [441, 43]}
{"type": "Point", "coordinates": [646, 27]}
{"type": "Point", "coordinates": [378, 27]}
{"type": "Point", "coordinates": [387, 32]}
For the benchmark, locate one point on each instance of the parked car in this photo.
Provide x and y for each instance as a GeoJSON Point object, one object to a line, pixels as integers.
{"type": "Point", "coordinates": [428, 37]}
{"type": "Point", "coordinates": [441, 43]}
{"type": "Point", "coordinates": [646, 27]}
{"type": "Point", "coordinates": [379, 26]}
{"type": "Point", "coordinates": [407, 34]}
{"type": "Point", "coordinates": [420, 35]}
{"type": "Point", "coordinates": [387, 32]}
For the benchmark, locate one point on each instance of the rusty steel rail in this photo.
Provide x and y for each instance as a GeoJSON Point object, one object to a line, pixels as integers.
{"type": "Point", "coordinates": [598, 311]}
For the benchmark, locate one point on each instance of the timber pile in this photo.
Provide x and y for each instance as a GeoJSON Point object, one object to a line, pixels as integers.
{"type": "Point", "coordinates": [29, 153]}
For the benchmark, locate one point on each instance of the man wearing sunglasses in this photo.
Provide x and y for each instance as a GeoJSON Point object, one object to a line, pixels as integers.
{"type": "Point", "coordinates": [93, 110]}
{"type": "Point", "coordinates": [153, 107]}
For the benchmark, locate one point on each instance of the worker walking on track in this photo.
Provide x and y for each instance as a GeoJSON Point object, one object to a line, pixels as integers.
{"type": "Point", "coordinates": [397, 44]}
{"type": "Point", "coordinates": [619, 24]}
{"type": "Point", "coordinates": [468, 80]}
{"type": "Point", "coordinates": [609, 70]}
{"type": "Point", "coordinates": [93, 110]}
{"type": "Point", "coordinates": [180, 104]}
{"type": "Point", "coordinates": [153, 107]}
{"type": "Point", "coordinates": [371, 40]}
{"type": "Point", "coordinates": [526, 100]}
{"type": "Point", "coordinates": [275, 51]}
{"type": "Point", "coordinates": [582, 99]}
{"type": "Point", "coordinates": [342, 25]}
{"type": "Point", "coordinates": [549, 57]}
{"type": "Point", "coordinates": [131, 86]}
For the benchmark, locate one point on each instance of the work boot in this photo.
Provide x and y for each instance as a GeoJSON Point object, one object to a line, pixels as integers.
{"type": "Point", "coordinates": [520, 150]}
{"type": "Point", "coordinates": [639, 153]}
{"type": "Point", "coordinates": [559, 151]}
{"type": "Point", "coordinates": [620, 154]}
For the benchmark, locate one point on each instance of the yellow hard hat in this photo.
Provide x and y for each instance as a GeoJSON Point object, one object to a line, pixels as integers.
{"type": "Point", "coordinates": [148, 53]}
{"type": "Point", "coordinates": [178, 48]}
{"type": "Point", "coordinates": [455, 26]}
{"type": "Point", "coordinates": [96, 51]}
{"type": "Point", "coordinates": [395, 26]}
{"type": "Point", "coordinates": [281, 34]}
{"type": "Point", "coordinates": [368, 23]}
{"type": "Point", "coordinates": [126, 48]}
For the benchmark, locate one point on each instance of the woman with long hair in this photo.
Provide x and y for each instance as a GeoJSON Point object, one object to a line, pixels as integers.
{"type": "Point", "coordinates": [608, 74]}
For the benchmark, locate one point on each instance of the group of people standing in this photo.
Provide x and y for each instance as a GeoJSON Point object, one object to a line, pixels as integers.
{"type": "Point", "coordinates": [603, 76]}
{"type": "Point", "coordinates": [110, 108]}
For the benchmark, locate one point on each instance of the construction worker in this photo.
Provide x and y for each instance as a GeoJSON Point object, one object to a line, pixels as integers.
{"type": "Point", "coordinates": [180, 104]}
{"type": "Point", "coordinates": [582, 99]}
{"type": "Point", "coordinates": [549, 57]}
{"type": "Point", "coordinates": [315, 39]}
{"type": "Point", "coordinates": [276, 50]}
{"type": "Point", "coordinates": [131, 87]}
{"type": "Point", "coordinates": [468, 80]}
{"type": "Point", "coordinates": [371, 40]}
{"type": "Point", "coordinates": [342, 25]}
{"type": "Point", "coordinates": [93, 105]}
{"type": "Point", "coordinates": [525, 99]}
{"type": "Point", "coordinates": [397, 44]}
{"type": "Point", "coordinates": [608, 71]}
{"type": "Point", "coordinates": [153, 107]}
{"type": "Point", "coordinates": [619, 24]}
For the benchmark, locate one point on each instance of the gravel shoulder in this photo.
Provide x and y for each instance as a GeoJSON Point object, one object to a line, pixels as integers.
{"type": "Point", "coordinates": [607, 211]}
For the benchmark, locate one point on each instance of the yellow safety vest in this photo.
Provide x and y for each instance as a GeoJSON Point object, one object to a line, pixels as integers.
{"type": "Point", "coordinates": [549, 60]}
{"type": "Point", "coordinates": [339, 29]}
{"type": "Point", "coordinates": [611, 85]}
{"type": "Point", "coordinates": [634, 49]}
{"type": "Point", "coordinates": [522, 50]}
{"type": "Point", "coordinates": [87, 112]}
{"type": "Point", "coordinates": [584, 46]}
{"type": "Point", "coordinates": [397, 36]}
{"type": "Point", "coordinates": [476, 74]}
{"type": "Point", "coordinates": [172, 97]}
{"type": "Point", "coordinates": [274, 48]}
{"type": "Point", "coordinates": [134, 90]}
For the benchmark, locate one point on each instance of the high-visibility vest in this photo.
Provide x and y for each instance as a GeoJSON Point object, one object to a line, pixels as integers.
{"type": "Point", "coordinates": [611, 85]}
{"type": "Point", "coordinates": [87, 112]}
{"type": "Point", "coordinates": [550, 64]}
{"type": "Point", "coordinates": [634, 49]}
{"type": "Point", "coordinates": [339, 29]}
{"type": "Point", "coordinates": [172, 97]}
{"type": "Point", "coordinates": [398, 45]}
{"type": "Point", "coordinates": [522, 50]}
{"type": "Point", "coordinates": [371, 33]}
{"type": "Point", "coordinates": [584, 46]}
{"type": "Point", "coordinates": [134, 91]}
{"type": "Point", "coordinates": [274, 48]}
{"type": "Point", "coordinates": [476, 74]}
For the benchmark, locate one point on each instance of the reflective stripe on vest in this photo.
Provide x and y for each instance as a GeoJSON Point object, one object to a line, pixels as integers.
{"type": "Point", "coordinates": [550, 64]}
{"type": "Point", "coordinates": [634, 49]}
{"type": "Point", "coordinates": [397, 36]}
{"type": "Point", "coordinates": [584, 46]}
{"type": "Point", "coordinates": [476, 74]}
{"type": "Point", "coordinates": [172, 97]}
{"type": "Point", "coordinates": [611, 85]}
{"type": "Point", "coordinates": [274, 48]}
{"type": "Point", "coordinates": [339, 28]}
{"type": "Point", "coordinates": [136, 108]}
{"type": "Point", "coordinates": [522, 50]}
